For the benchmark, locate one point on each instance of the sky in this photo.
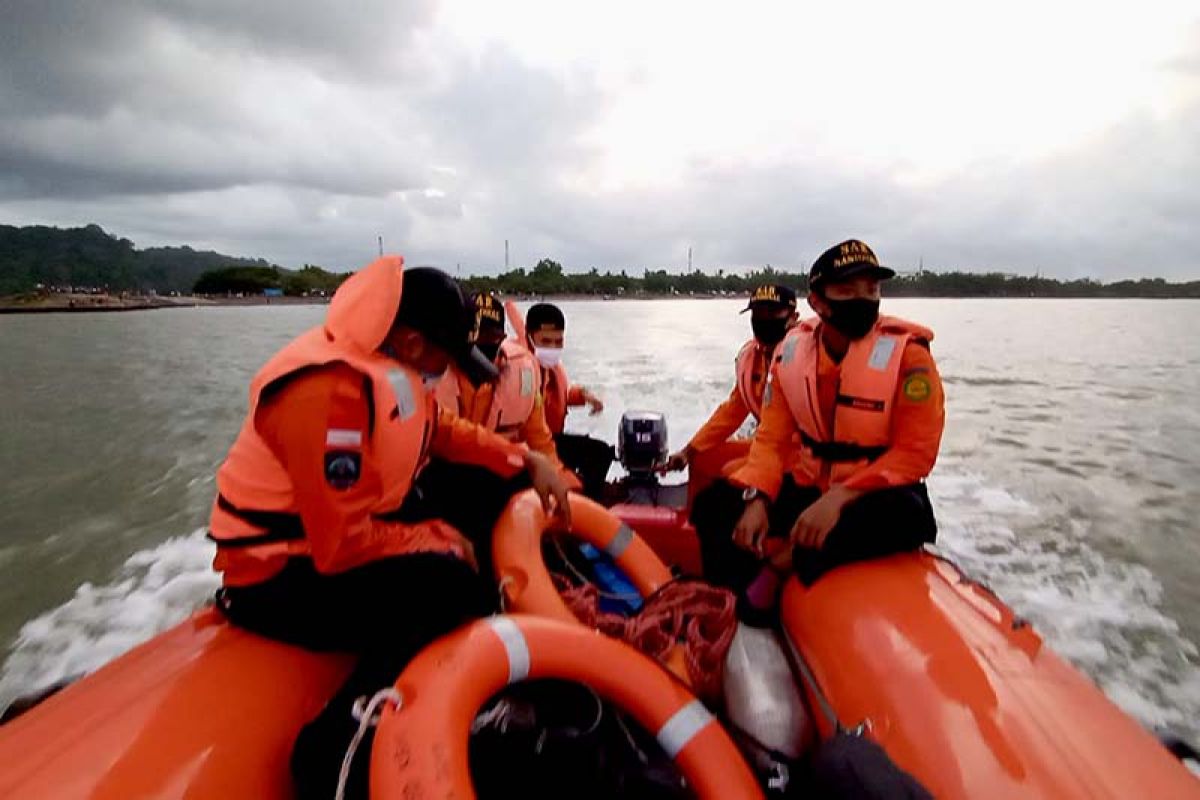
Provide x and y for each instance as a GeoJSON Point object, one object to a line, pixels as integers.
{"type": "Point", "coordinates": [1054, 136]}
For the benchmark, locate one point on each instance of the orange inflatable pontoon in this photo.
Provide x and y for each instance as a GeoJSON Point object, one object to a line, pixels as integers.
{"type": "Point", "coordinates": [961, 692]}
{"type": "Point", "coordinates": [204, 710]}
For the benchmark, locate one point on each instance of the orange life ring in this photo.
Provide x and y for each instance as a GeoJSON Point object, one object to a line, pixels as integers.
{"type": "Point", "coordinates": [524, 581]}
{"type": "Point", "coordinates": [420, 748]}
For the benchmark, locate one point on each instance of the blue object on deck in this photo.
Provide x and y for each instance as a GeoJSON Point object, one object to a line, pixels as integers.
{"type": "Point", "coordinates": [612, 581]}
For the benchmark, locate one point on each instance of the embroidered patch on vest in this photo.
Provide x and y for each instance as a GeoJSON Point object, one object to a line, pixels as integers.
{"type": "Point", "coordinates": [342, 469]}
{"type": "Point", "coordinates": [917, 389]}
{"type": "Point", "coordinates": [406, 403]}
{"type": "Point", "coordinates": [526, 382]}
{"type": "Point", "coordinates": [882, 352]}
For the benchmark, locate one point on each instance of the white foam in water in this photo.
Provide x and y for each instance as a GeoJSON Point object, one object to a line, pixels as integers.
{"type": "Point", "coordinates": [1099, 613]}
{"type": "Point", "coordinates": [154, 590]}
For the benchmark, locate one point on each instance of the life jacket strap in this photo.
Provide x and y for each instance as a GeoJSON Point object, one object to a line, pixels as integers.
{"type": "Point", "coordinates": [838, 452]}
{"type": "Point", "coordinates": [278, 526]}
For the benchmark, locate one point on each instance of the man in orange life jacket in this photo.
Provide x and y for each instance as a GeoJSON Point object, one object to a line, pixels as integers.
{"type": "Point", "coordinates": [511, 405]}
{"type": "Point", "coordinates": [863, 394]}
{"type": "Point", "coordinates": [712, 452]}
{"type": "Point", "coordinates": [545, 331]}
{"type": "Point", "coordinates": [329, 533]}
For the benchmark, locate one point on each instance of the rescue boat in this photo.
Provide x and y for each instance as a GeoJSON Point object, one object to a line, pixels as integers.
{"type": "Point", "coordinates": [907, 651]}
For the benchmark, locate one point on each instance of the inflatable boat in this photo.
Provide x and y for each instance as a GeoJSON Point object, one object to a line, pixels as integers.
{"type": "Point", "coordinates": [906, 651]}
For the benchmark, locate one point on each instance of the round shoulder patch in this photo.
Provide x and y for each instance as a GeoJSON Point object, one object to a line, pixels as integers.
{"type": "Point", "coordinates": [916, 388]}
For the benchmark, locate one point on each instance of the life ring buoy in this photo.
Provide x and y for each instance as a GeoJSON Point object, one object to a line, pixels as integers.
{"type": "Point", "coordinates": [521, 573]}
{"type": "Point", "coordinates": [420, 746]}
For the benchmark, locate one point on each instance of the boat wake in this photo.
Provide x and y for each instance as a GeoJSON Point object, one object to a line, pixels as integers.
{"type": "Point", "coordinates": [154, 589]}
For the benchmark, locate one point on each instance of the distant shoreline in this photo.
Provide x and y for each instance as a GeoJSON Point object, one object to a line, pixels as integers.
{"type": "Point", "coordinates": [96, 304]}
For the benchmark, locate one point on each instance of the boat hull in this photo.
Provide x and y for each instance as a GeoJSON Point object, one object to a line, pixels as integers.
{"type": "Point", "coordinates": [962, 693]}
{"type": "Point", "coordinates": [202, 710]}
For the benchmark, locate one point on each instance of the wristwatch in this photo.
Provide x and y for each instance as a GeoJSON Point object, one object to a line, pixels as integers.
{"type": "Point", "coordinates": [751, 493]}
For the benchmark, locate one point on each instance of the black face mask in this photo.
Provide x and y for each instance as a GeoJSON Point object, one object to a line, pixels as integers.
{"type": "Point", "coordinates": [490, 350]}
{"type": "Point", "coordinates": [854, 318]}
{"type": "Point", "coordinates": [769, 332]}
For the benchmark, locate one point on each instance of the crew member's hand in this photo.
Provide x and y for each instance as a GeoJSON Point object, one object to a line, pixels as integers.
{"type": "Point", "coordinates": [676, 461]}
{"type": "Point", "coordinates": [549, 484]}
{"type": "Point", "coordinates": [814, 524]}
{"type": "Point", "coordinates": [595, 404]}
{"type": "Point", "coordinates": [751, 530]}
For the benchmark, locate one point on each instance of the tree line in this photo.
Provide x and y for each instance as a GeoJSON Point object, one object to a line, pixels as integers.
{"type": "Point", "coordinates": [548, 278]}
{"type": "Point", "coordinates": [308, 281]}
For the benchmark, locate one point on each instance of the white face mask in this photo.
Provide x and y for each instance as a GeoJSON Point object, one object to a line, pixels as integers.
{"type": "Point", "coordinates": [548, 357]}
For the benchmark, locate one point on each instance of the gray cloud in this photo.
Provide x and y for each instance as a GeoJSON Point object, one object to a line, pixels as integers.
{"type": "Point", "coordinates": [301, 133]}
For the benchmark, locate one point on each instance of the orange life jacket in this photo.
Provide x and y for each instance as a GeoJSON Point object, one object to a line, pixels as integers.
{"type": "Point", "coordinates": [748, 359]}
{"type": "Point", "coordinates": [862, 417]}
{"type": "Point", "coordinates": [255, 520]}
{"type": "Point", "coordinates": [514, 395]}
{"type": "Point", "coordinates": [555, 388]}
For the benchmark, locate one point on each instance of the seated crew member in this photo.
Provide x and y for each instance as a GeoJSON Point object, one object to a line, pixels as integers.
{"type": "Point", "coordinates": [545, 332]}
{"type": "Point", "coordinates": [512, 404]}
{"type": "Point", "coordinates": [712, 452]}
{"type": "Point", "coordinates": [328, 536]}
{"type": "Point", "coordinates": [863, 394]}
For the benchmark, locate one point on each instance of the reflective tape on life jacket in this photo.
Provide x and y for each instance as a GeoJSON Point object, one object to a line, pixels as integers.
{"type": "Point", "coordinates": [751, 370]}
{"type": "Point", "coordinates": [420, 745]}
{"type": "Point", "coordinates": [514, 395]}
{"type": "Point", "coordinates": [862, 416]}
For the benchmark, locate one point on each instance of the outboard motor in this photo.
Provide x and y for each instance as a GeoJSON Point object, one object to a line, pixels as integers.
{"type": "Point", "coordinates": [642, 444]}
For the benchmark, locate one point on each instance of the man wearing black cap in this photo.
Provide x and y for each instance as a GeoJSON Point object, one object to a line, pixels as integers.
{"type": "Point", "coordinates": [512, 404]}
{"type": "Point", "coordinates": [328, 536]}
{"type": "Point", "coordinates": [862, 395]}
{"type": "Point", "coordinates": [711, 452]}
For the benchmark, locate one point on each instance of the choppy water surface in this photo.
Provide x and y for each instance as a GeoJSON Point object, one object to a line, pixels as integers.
{"type": "Point", "coordinates": [1068, 478]}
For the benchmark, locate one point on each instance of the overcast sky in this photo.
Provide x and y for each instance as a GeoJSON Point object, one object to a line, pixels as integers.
{"type": "Point", "coordinates": [1019, 135]}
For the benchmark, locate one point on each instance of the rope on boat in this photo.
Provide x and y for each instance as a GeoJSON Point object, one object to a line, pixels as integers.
{"type": "Point", "coordinates": [684, 612]}
{"type": "Point", "coordinates": [367, 716]}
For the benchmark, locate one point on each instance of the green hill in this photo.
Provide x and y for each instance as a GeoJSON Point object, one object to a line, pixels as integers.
{"type": "Point", "coordinates": [91, 257]}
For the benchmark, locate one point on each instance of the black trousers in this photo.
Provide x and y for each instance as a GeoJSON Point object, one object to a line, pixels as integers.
{"type": "Point", "coordinates": [878, 523]}
{"type": "Point", "coordinates": [386, 611]}
{"type": "Point", "coordinates": [588, 458]}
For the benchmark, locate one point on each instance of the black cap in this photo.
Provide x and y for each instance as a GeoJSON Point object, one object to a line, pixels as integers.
{"type": "Point", "coordinates": [433, 304]}
{"type": "Point", "coordinates": [489, 313]}
{"type": "Point", "coordinates": [771, 295]}
{"type": "Point", "coordinates": [847, 260]}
